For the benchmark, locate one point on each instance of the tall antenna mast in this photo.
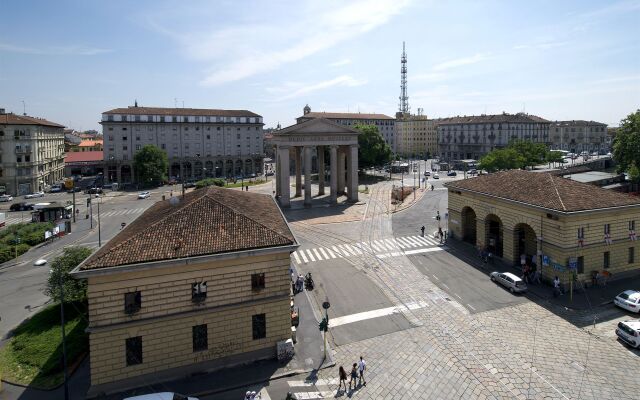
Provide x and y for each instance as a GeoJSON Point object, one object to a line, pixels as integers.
{"type": "Point", "coordinates": [404, 98]}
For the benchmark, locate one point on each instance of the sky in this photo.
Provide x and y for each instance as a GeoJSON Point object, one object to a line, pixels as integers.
{"type": "Point", "coordinates": [69, 61]}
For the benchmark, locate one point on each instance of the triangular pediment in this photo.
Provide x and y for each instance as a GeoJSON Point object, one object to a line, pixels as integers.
{"type": "Point", "coordinates": [315, 127]}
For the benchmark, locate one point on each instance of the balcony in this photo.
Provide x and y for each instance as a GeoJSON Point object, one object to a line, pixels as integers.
{"type": "Point", "coordinates": [23, 150]}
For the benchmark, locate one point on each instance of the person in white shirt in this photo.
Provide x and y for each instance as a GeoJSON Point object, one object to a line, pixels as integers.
{"type": "Point", "coordinates": [362, 366]}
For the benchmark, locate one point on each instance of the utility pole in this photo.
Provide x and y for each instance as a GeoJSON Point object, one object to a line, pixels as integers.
{"type": "Point", "coordinates": [99, 233]}
{"type": "Point", "coordinates": [90, 211]}
{"type": "Point", "coordinates": [64, 346]}
{"type": "Point", "coordinates": [73, 188]}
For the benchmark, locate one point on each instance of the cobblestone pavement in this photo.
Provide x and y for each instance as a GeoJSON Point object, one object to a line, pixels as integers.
{"type": "Point", "coordinates": [523, 351]}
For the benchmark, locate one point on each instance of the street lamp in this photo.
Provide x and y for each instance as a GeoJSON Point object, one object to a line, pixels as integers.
{"type": "Point", "coordinates": [324, 324]}
{"type": "Point", "coordinates": [64, 345]}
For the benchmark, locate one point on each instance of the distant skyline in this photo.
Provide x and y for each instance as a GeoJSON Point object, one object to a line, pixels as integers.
{"type": "Point", "coordinates": [69, 61]}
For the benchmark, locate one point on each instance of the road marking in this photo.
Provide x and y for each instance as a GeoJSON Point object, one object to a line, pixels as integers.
{"type": "Point", "coordinates": [403, 243]}
{"type": "Point", "coordinates": [304, 259]}
{"type": "Point", "coordinates": [311, 255]}
{"type": "Point", "coordinates": [317, 254]}
{"type": "Point", "coordinates": [471, 307]}
{"type": "Point", "coordinates": [419, 251]}
{"type": "Point", "coordinates": [382, 312]}
{"type": "Point", "coordinates": [326, 256]}
{"type": "Point", "coordinates": [319, 382]}
{"type": "Point", "coordinates": [457, 295]}
{"type": "Point", "coordinates": [295, 255]}
{"type": "Point", "coordinates": [445, 285]}
{"type": "Point", "coordinates": [373, 246]}
{"type": "Point", "coordinates": [336, 250]}
{"type": "Point", "coordinates": [331, 253]}
{"type": "Point", "coordinates": [436, 277]}
{"type": "Point", "coordinates": [324, 394]}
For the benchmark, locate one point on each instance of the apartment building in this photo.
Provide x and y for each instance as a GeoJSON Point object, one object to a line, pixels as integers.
{"type": "Point", "coordinates": [578, 136]}
{"type": "Point", "coordinates": [471, 137]}
{"type": "Point", "coordinates": [416, 136]}
{"type": "Point", "coordinates": [198, 142]}
{"type": "Point", "coordinates": [193, 284]}
{"type": "Point", "coordinates": [384, 123]}
{"type": "Point", "coordinates": [32, 153]}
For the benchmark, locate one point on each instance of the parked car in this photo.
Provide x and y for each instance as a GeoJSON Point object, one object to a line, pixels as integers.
{"type": "Point", "coordinates": [629, 332]}
{"type": "Point", "coordinates": [162, 396]}
{"type": "Point", "coordinates": [473, 172]}
{"type": "Point", "coordinates": [269, 173]}
{"type": "Point", "coordinates": [93, 190]}
{"type": "Point", "coordinates": [143, 195]}
{"type": "Point", "coordinates": [435, 175]}
{"type": "Point", "coordinates": [594, 154]}
{"type": "Point", "coordinates": [452, 173]}
{"type": "Point", "coordinates": [5, 198]}
{"type": "Point", "coordinates": [34, 195]}
{"type": "Point", "coordinates": [55, 189]}
{"type": "Point", "coordinates": [629, 300]}
{"type": "Point", "coordinates": [509, 280]}
{"type": "Point", "coordinates": [188, 185]}
{"type": "Point", "coordinates": [21, 207]}
{"type": "Point", "coordinates": [427, 173]}
{"type": "Point", "coordinates": [584, 153]}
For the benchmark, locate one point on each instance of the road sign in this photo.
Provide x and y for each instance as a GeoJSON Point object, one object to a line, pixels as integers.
{"type": "Point", "coordinates": [545, 261]}
{"type": "Point", "coordinates": [68, 184]}
{"type": "Point", "coordinates": [573, 263]}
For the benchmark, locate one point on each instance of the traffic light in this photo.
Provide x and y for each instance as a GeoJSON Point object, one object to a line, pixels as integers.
{"type": "Point", "coordinates": [324, 324]}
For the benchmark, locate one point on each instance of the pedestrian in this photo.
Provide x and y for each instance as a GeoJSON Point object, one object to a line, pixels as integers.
{"type": "Point", "coordinates": [440, 233]}
{"type": "Point", "coordinates": [362, 366]}
{"type": "Point", "coordinates": [523, 260]}
{"type": "Point", "coordinates": [354, 375]}
{"type": "Point", "coordinates": [247, 395]}
{"type": "Point", "coordinates": [525, 273]}
{"type": "Point", "coordinates": [342, 374]}
{"type": "Point", "coordinates": [422, 230]}
{"type": "Point", "coordinates": [557, 291]}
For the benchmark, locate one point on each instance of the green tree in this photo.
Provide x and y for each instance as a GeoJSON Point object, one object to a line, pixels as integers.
{"type": "Point", "coordinates": [532, 153]}
{"type": "Point", "coordinates": [151, 165]}
{"type": "Point", "coordinates": [501, 159]}
{"type": "Point", "coordinates": [373, 150]}
{"type": "Point", "coordinates": [626, 146]}
{"type": "Point", "coordinates": [553, 157]}
{"type": "Point", "coordinates": [74, 289]}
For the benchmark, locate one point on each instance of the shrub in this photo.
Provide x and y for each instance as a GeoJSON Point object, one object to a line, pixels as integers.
{"type": "Point", "coordinates": [210, 182]}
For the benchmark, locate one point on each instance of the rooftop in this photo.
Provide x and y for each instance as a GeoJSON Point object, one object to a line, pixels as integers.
{"type": "Point", "coordinates": [544, 190]}
{"type": "Point", "coordinates": [134, 110]}
{"type": "Point", "coordinates": [207, 221]}
{"type": "Point", "coordinates": [90, 143]}
{"type": "Point", "coordinates": [83, 156]}
{"type": "Point", "coordinates": [496, 118]}
{"type": "Point", "coordinates": [14, 119]}
{"type": "Point", "coordinates": [577, 123]}
{"type": "Point", "coordinates": [333, 115]}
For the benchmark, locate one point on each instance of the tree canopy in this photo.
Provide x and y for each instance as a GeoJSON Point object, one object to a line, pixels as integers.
{"type": "Point", "coordinates": [501, 159]}
{"type": "Point", "coordinates": [74, 289]}
{"type": "Point", "coordinates": [151, 165]}
{"type": "Point", "coordinates": [373, 150]}
{"type": "Point", "coordinates": [626, 146]}
{"type": "Point", "coordinates": [518, 154]}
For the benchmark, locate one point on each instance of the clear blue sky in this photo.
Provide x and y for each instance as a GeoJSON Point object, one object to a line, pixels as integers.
{"type": "Point", "coordinates": [71, 60]}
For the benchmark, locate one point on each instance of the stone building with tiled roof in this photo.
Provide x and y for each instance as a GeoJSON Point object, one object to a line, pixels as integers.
{"type": "Point", "coordinates": [193, 284]}
{"type": "Point", "coordinates": [32, 153]}
{"type": "Point", "coordinates": [471, 137]}
{"type": "Point", "coordinates": [566, 226]}
{"type": "Point", "coordinates": [578, 136]}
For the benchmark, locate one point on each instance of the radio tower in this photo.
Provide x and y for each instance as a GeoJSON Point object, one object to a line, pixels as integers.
{"type": "Point", "coordinates": [404, 98]}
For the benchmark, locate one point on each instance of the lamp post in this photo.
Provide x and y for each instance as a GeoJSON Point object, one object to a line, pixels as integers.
{"type": "Point", "coordinates": [64, 345]}
{"type": "Point", "coordinates": [324, 324]}
{"type": "Point", "coordinates": [99, 233]}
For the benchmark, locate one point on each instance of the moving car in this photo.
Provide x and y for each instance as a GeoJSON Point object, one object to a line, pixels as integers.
{"type": "Point", "coordinates": [427, 173]}
{"type": "Point", "coordinates": [509, 280]}
{"type": "Point", "coordinates": [93, 190]}
{"type": "Point", "coordinates": [74, 189]}
{"type": "Point", "coordinates": [21, 207]}
{"type": "Point", "coordinates": [629, 300]}
{"type": "Point", "coordinates": [34, 195]}
{"type": "Point", "coordinates": [473, 172]}
{"type": "Point", "coordinates": [55, 189]}
{"type": "Point", "coordinates": [40, 262]}
{"type": "Point", "coordinates": [452, 173]}
{"type": "Point", "coordinates": [162, 396]}
{"type": "Point", "coordinates": [435, 175]}
{"type": "Point", "coordinates": [5, 198]}
{"type": "Point", "coordinates": [629, 332]}
{"type": "Point", "coordinates": [143, 195]}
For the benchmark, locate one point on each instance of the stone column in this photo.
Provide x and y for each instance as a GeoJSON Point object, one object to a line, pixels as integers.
{"type": "Point", "coordinates": [333, 183]}
{"type": "Point", "coordinates": [341, 174]}
{"type": "Point", "coordinates": [278, 176]}
{"type": "Point", "coordinates": [347, 156]}
{"type": "Point", "coordinates": [320, 150]}
{"type": "Point", "coordinates": [298, 172]}
{"type": "Point", "coordinates": [307, 176]}
{"type": "Point", "coordinates": [283, 183]}
{"type": "Point", "coordinates": [353, 172]}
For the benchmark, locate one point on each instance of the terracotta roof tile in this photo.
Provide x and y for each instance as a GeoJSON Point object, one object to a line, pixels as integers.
{"type": "Point", "coordinates": [83, 156]}
{"type": "Point", "coordinates": [208, 221]}
{"type": "Point", "coordinates": [14, 119]}
{"type": "Point", "coordinates": [181, 111]}
{"type": "Point", "coordinates": [497, 118]}
{"type": "Point", "coordinates": [334, 115]}
{"type": "Point", "coordinates": [544, 190]}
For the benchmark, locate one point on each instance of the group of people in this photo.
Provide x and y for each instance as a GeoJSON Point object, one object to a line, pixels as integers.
{"type": "Point", "coordinates": [252, 395]}
{"type": "Point", "coordinates": [356, 374]}
{"type": "Point", "coordinates": [530, 272]}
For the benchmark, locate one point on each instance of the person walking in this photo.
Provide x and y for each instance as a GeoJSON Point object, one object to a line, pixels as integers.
{"type": "Point", "coordinates": [422, 230]}
{"type": "Point", "coordinates": [354, 375]}
{"type": "Point", "coordinates": [441, 234]}
{"type": "Point", "coordinates": [557, 291]}
{"type": "Point", "coordinates": [362, 366]}
{"type": "Point", "coordinates": [342, 374]}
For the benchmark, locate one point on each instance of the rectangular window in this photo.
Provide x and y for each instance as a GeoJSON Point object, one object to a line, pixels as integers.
{"type": "Point", "coordinates": [138, 147]}
{"type": "Point", "coordinates": [605, 261]}
{"type": "Point", "coordinates": [27, 158]}
{"type": "Point", "coordinates": [632, 225]}
{"type": "Point", "coordinates": [132, 302]}
{"type": "Point", "coordinates": [632, 255]}
{"type": "Point", "coordinates": [150, 118]}
{"type": "Point", "coordinates": [137, 138]}
{"type": "Point", "coordinates": [134, 350]}
{"type": "Point", "coordinates": [124, 138]}
{"type": "Point", "coordinates": [580, 233]}
{"type": "Point", "coordinates": [259, 325]}
{"type": "Point", "coordinates": [581, 265]}
{"type": "Point", "coordinates": [125, 148]}
{"type": "Point", "coordinates": [110, 118]}
{"type": "Point", "coordinates": [257, 281]}
{"type": "Point", "coordinates": [200, 341]}
{"type": "Point", "coordinates": [163, 146]}
{"type": "Point", "coordinates": [186, 119]}
{"type": "Point", "coordinates": [161, 118]}
{"type": "Point", "coordinates": [19, 158]}
{"type": "Point", "coordinates": [174, 119]}
{"type": "Point", "coordinates": [607, 229]}
{"type": "Point", "coordinates": [198, 291]}
{"type": "Point", "coordinates": [137, 118]}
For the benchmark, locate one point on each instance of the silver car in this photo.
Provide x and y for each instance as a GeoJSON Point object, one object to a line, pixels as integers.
{"type": "Point", "coordinates": [509, 280]}
{"type": "Point", "coordinates": [629, 332]}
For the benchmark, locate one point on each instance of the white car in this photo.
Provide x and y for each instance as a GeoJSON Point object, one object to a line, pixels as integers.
{"type": "Point", "coordinates": [34, 195]}
{"type": "Point", "coordinates": [509, 280]}
{"type": "Point", "coordinates": [162, 396]}
{"type": "Point", "coordinates": [143, 195]}
{"type": "Point", "coordinates": [629, 332]}
{"type": "Point", "coordinates": [427, 173]}
{"type": "Point", "coordinates": [5, 197]}
{"type": "Point", "coordinates": [435, 175]}
{"type": "Point", "coordinates": [629, 300]}
{"type": "Point", "coordinates": [40, 262]}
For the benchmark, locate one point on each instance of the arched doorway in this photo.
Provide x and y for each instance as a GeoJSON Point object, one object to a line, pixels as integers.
{"type": "Point", "coordinates": [175, 171]}
{"type": "Point", "coordinates": [468, 225]}
{"type": "Point", "coordinates": [238, 168]}
{"type": "Point", "coordinates": [209, 169]}
{"type": "Point", "coordinates": [188, 171]}
{"type": "Point", "coordinates": [125, 173]}
{"type": "Point", "coordinates": [493, 234]}
{"type": "Point", "coordinates": [525, 242]}
{"type": "Point", "coordinates": [219, 169]}
{"type": "Point", "coordinates": [228, 169]}
{"type": "Point", "coordinates": [248, 167]}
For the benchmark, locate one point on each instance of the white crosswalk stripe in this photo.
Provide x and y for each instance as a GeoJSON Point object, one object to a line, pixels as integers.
{"type": "Point", "coordinates": [116, 213]}
{"type": "Point", "coordinates": [320, 389]}
{"type": "Point", "coordinates": [382, 248]}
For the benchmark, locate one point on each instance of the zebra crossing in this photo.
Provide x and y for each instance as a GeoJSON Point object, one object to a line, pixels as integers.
{"type": "Point", "coordinates": [381, 248]}
{"type": "Point", "coordinates": [116, 213]}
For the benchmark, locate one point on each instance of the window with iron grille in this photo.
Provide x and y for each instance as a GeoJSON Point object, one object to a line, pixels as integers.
{"type": "Point", "coordinates": [200, 337]}
{"type": "Point", "coordinates": [132, 302]}
{"type": "Point", "coordinates": [257, 281]}
{"type": "Point", "coordinates": [134, 350]}
{"type": "Point", "coordinates": [198, 291]}
{"type": "Point", "coordinates": [632, 225]}
{"type": "Point", "coordinates": [580, 233]}
{"type": "Point", "coordinates": [259, 325]}
{"type": "Point", "coordinates": [632, 255]}
{"type": "Point", "coordinates": [605, 261]}
{"type": "Point", "coordinates": [607, 229]}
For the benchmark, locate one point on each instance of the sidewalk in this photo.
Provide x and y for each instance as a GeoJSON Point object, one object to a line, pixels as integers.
{"type": "Point", "coordinates": [584, 298]}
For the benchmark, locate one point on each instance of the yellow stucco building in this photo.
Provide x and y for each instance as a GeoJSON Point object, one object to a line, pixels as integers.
{"type": "Point", "coordinates": [566, 226]}
{"type": "Point", "coordinates": [193, 284]}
